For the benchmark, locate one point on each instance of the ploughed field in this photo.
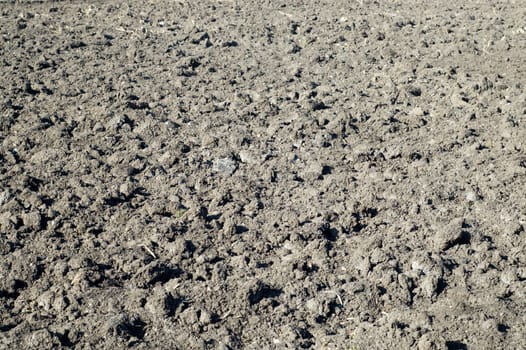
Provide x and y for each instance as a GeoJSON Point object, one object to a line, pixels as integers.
{"type": "Point", "coordinates": [263, 174]}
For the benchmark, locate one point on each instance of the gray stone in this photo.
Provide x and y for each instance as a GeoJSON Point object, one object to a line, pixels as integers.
{"type": "Point", "coordinates": [225, 166]}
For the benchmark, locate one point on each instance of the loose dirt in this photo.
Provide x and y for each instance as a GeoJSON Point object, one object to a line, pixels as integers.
{"type": "Point", "coordinates": [263, 175]}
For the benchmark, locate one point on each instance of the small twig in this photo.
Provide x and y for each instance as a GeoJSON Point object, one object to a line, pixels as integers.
{"type": "Point", "coordinates": [337, 296]}
{"type": "Point", "coordinates": [286, 14]}
{"type": "Point", "coordinates": [340, 299]}
{"type": "Point", "coordinates": [149, 250]}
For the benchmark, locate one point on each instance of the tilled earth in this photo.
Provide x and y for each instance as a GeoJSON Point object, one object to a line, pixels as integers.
{"type": "Point", "coordinates": [263, 174]}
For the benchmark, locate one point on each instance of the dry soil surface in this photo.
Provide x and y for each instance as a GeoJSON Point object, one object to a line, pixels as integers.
{"type": "Point", "coordinates": [263, 174]}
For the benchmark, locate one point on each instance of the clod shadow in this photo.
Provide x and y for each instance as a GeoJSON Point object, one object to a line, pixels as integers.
{"type": "Point", "coordinates": [262, 291]}
{"type": "Point", "coordinates": [456, 345]}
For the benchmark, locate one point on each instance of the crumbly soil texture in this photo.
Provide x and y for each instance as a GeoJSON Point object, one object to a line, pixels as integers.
{"type": "Point", "coordinates": [263, 174]}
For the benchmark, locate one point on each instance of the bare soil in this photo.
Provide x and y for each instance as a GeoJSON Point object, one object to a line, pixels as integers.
{"type": "Point", "coordinates": [263, 174]}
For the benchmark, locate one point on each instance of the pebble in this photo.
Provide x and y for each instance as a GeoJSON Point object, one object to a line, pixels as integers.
{"type": "Point", "coordinates": [167, 159]}
{"type": "Point", "coordinates": [205, 317]}
{"type": "Point", "coordinates": [4, 197]}
{"type": "Point", "coordinates": [471, 196]}
{"type": "Point", "coordinates": [246, 157]}
{"type": "Point", "coordinates": [414, 90]}
{"type": "Point", "coordinates": [32, 220]}
{"type": "Point", "coordinates": [98, 127]}
{"type": "Point", "coordinates": [312, 305]}
{"type": "Point", "coordinates": [225, 166]}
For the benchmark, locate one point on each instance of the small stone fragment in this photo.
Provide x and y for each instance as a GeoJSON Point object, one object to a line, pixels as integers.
{"type": "Point", "coordinates": [225, 166]}
{"type": "Point", "coordinates": [205, 317]}
{"type": "Point", "coordinates": [246, 157]}
{"type": "Point", "coordinates": [4, 197]}
{"type": "Point", "coordinates": [32, 220]}
{"type": "Point", "coordinates": [415, 90]}
{"type": "Point", "coordinates": [98, 127]}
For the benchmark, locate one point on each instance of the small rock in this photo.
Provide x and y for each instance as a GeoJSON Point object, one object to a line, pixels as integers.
{"type": "Point", "coordinates": [98, 127]}
{"type": "Point", "coordinates": [126, 189]}
{"type": "Point", "coordinates": [4, 197]}
{"type": "Point", "coordinates": [21, 24]}
{"type": "Point", "coordinates": [230, 44]}
{"type": "Point", "coordinates": [205, 318]}
{"type": "Point", "coordinates": [225, 166]}
{"type": "Point", "coordinates": [32, 220]}
{"type": "Point", "coordinates": [471, 196]}
{"type": "Point", "coordinates": [414, 90]}
{"type": "Point", "coordinates": [246, 157]}
{"type": "Point", "coordinates": [313, 171]}
{"type": "Point", "coordinates": [319, 105]}
{"type": "Point", "coordinates": [167, 159]}
{"type": "Point", "coordinates": [45, 300]}
{"type": "Point", "coordinates": [313, 305]}
{"type": "Point", "coordinates": [116, 122]}
{"type": "Point", "coordinates": [229, 227]}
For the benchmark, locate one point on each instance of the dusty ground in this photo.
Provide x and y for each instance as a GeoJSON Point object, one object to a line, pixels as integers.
{"type": "Point", "coordinates": [263, 175]}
